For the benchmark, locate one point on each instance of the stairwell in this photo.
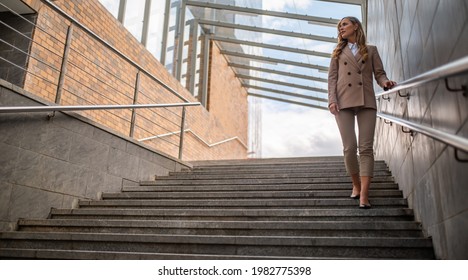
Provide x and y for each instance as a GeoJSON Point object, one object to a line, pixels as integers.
{"type": "Point", "coordinates": [239, 209]}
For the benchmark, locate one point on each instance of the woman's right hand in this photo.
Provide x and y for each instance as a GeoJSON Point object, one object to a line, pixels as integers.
{"type": "Point", "coordinates": [333, 108]}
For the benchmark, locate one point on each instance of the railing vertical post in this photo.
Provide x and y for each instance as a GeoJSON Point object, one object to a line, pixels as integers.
{"type": "Point", "coordinates": [135, 100]}
{"type": "Point", "coordinates": [182, 131]}
{"type": "Point", "coordinates": [63, 70]}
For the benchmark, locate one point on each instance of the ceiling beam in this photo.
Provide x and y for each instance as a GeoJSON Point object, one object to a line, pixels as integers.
{"type": "Point", "coordinates": [246, 77]}
{"type": "Point", "coordinates": [285, 93]}
{"type": "Point", "coordinates": [266, 70]}
{"type": "Point", "coordinates": [350, 2]}
{"type": "Point", "coordinates": [275, 60]}
{"type": "Point", "coordinates": [269, 46]}
{"type": "Point", "coordinates": [312, 19]}
{"type": "Point", "coordinates": [267, 30]}
{"type": "Point", "coordinates": [288, 101]}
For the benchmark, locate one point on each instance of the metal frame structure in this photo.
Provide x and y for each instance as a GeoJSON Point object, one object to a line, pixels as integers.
{"type": "Point", "coordinates": [251, 73]}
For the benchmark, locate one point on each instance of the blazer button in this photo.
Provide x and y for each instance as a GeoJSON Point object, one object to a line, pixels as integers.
{"type": "Point", "coordinates": [349, 73]}
{"type": "Point", "coordinates": [360, 83]}
{"type": "Point", "coordinates": [363, 62]}
{"type": "Point", "coordinates": [345, 63]}
{"type": "Point", "coordinates": [349, 85]}
{"type": "Point", "coordinates": [359, 72]}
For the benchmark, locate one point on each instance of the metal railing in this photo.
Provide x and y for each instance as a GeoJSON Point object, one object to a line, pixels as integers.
{"type": "Point", "coordinates": [446, 71]}
{"type": "Point", "coordinates": [196, 136]}
{"type": "Point", "coordinates": [457, 67]}
{"type": "Point", "coordinates": [106, 76]}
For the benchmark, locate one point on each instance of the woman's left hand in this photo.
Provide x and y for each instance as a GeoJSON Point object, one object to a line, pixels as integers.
{"type": "Point", "coordinates": [389, 84]}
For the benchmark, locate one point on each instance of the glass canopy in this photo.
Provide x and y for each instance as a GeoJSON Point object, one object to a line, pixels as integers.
{"type": "Point", "coordinates": [278, 54]}
{"type": "Point", "coordinates": [279, 50]}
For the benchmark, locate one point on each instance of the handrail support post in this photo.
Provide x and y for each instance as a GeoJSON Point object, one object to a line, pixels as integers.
{"type": "Point", "coordinates": [182, 130]}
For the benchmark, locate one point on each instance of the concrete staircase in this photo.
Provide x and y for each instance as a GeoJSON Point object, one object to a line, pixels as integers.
{"type": "Point", "coordinates": [251, 209]}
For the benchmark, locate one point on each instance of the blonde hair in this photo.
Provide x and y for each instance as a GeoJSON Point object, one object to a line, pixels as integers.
{"type": "Point", "coordinates": [360, 39]}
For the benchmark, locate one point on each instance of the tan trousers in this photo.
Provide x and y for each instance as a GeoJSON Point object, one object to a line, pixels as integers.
{"type": "Point", "coordinates": [366, 118]}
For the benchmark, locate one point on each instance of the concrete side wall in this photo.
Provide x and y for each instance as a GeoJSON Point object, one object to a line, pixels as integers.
{"type": "Point", "coordinates": [53, 163]}
{"type": "Point", "coordinates": [414, 37]}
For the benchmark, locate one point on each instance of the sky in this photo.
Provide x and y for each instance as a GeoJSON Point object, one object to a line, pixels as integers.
{"type": "Point", "coordinates": [290, 130]}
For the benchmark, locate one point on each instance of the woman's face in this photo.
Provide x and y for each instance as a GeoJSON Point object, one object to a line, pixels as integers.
{"type": "Point", "coordinates": [346, 29]}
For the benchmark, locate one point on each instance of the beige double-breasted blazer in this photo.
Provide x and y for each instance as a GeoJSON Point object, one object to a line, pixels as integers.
{"type": "Point", "coordinates": [350, 81]}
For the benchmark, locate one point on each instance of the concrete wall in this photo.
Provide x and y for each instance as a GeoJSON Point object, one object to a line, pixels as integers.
{"type": "Point", "coordinates": [413, 37]}
{"type": "Point", "coordinates": [53, 163]}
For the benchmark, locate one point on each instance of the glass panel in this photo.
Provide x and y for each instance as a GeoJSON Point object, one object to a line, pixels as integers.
{"type": "Point", "coordinates": [112, 6]}
{"type": "Point", "coordinates": [134, 13]}
{"type": "Point", "coordinates": [156, 25]}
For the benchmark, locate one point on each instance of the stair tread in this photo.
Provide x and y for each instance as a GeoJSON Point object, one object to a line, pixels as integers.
{"type": "Point", "coordinates": [224, 239]}
{"type": "Point", "coordinates": [245, 212]}
{"type": "Point", "coordinates": [121, 255]}
{"type": "Point", "coordinates": [381, 225]}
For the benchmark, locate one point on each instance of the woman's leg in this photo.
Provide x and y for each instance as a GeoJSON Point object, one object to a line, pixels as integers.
{"type": "Point", "coordinates": [345, 121]}
{"type": "Point", "coordinates": [366, 119]}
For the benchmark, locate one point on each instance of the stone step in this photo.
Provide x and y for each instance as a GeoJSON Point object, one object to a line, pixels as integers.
{"type": "Point", "coordinates": [232, 175]}
{"type": "Point", "coordinates": [272, 163]}
{"type": "Point", "coordinates": [51, 254]}
{"type": "Point", "coordinates": [148, 186]}
{"type": "Point", "coordinates": [237, 181]}
{"type": "Point", "coordinates": [246, 165]}
{"type": "Point", "coordinates": [265, 214]}
{"type": "Point", "coordinates": [244, 194]}
{"type": "Point", "coordinates": [244, 203]}
{"type": "Point", "coordinates": [297, 246]}
{"type": "Point", "coordinates": [270, 170]}
{"type": "Point", "coordinates": [235, 228]}
{"type": "Point", "coordinates": [267, 161]}
{"type": "Point", "coordinates": [283, 166]}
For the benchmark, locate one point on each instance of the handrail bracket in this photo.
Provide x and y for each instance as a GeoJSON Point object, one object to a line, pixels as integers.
{"type": "Point", "coordinates": [411, 132]}
{"type": "Point", "coordinates": [406, 95]}
{"type": "Point", "coordinates": [463, 88]}
{"type": "Point", "coordinates": [457, 157]}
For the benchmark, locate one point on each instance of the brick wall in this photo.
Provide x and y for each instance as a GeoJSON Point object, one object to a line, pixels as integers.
{"type": "Point", "coordinates": [95, 75]}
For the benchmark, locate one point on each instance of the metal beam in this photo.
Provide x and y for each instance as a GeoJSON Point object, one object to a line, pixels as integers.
{"type": "Point", "coordinates": [180, 38]}
{"type": "Point", "coordinates": [266, 70]}
{"type": "Point", "coordinates": [245, 77]}
{"type": "Point", "coordinates": [275, 60]}
{"type": "Point", "coordinates": [268, 30]}
{"type": "Point", "coordinates": [350, 2]}
{"type": "Point", "coordinates": [205, 70]}
{"type": "Point", "coordinates": [165, 33]}
{"type": "Point", "coordinates": [286, 93]}
{"type": "Point", "coordinates": [269, 46]}
{"type": "Point", "coordinates": [288, 101]}
{"type": "Point", "coordinates": [146, 17]}
{"type": "Point", "coordinates": [318, 20]}
{"type": "Point", "coordinates": [193, 58]}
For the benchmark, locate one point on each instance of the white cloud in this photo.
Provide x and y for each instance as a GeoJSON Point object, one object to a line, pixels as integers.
{"type": "Point", "coordinates": [290, 131]}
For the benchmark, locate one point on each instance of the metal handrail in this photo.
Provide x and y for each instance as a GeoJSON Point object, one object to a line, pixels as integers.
{"type": "Point", "coordinates": [29, 109]}
{"type": "Point", "coordinates": [197, 136]}
{"type": "Point", "coordinates": [455, 141]}
{"type": "Point", "coordinates": [453, 68]}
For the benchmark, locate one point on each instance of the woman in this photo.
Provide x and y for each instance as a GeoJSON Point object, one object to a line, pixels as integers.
{"type": "Point", "coordinates": [351, 95]}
